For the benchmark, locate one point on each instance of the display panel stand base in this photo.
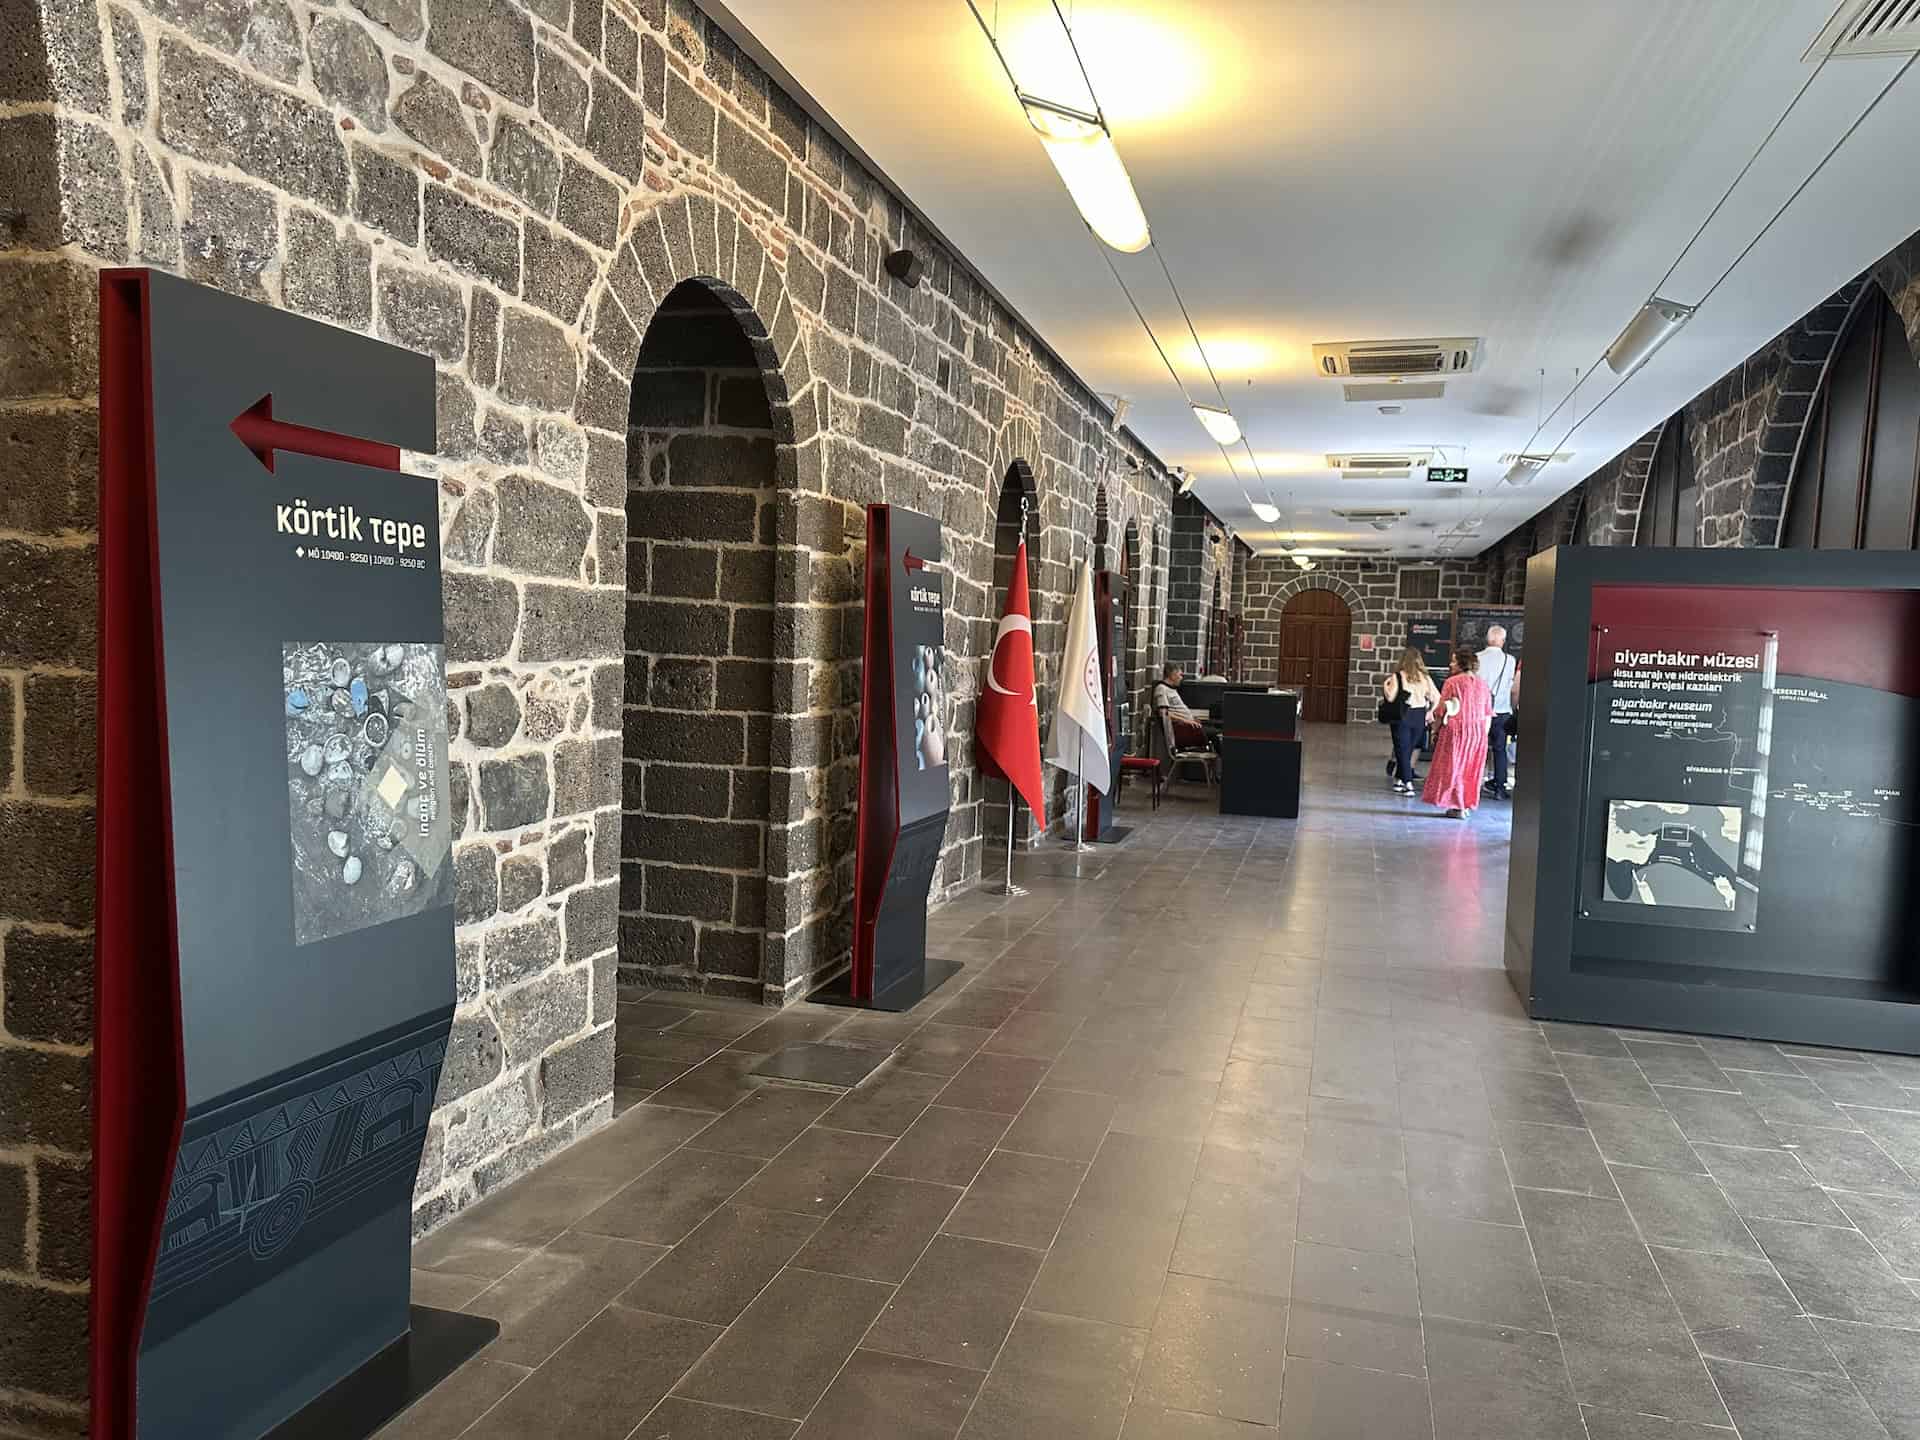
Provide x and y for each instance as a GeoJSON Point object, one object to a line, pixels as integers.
{"type": "Point", "coordinates": [1115, 834]}
{"type": "Point", "coordinates": [904, 994]}
{"type": "Point", "coordinates": [439, 1343]}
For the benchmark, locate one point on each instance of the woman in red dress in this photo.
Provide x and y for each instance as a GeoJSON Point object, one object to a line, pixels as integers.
{"type": "Point", "coordinates": [1460, 753]}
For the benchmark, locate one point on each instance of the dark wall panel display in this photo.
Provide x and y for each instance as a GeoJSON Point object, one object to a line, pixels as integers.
{"type": "Point", "coordinates": [1739, 735]}
{"type": "Point", "coordinates": [1471, 623]}
{"type": "Point", "coordinates": [904, 788]}
{"type": "Point", "coordinates": [1432, 636]}
{"type": "Point", "coordinates": [276, 960]}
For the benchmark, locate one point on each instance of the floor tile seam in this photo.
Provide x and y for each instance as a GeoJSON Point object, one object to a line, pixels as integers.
{"type": "Point", "coordinates": [1546, 1297]}
{"type": "Point", "coordinates": [1852, 1384]}
{"type": "Point", "coordinates": [1047, 1255]}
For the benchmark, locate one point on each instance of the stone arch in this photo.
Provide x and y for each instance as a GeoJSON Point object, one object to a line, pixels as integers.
{"type": "Point", "coordinates": [693, 237]}
{"type": "Point", "coordinates": [1787, 427]}
{"type": "Point", "coordinates": [1365, 668]}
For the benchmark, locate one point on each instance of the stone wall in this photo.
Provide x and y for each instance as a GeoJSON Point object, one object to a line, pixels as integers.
{"type": "Point", "coordinates": [1191, 565]}
{"type": "Point", "coordinates": [1371, 589]}
{"type": "Point", "coordinates": [515, 190]}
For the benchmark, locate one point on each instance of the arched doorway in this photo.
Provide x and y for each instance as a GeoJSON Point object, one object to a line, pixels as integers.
{"type": "Point", "coordinates": [1670, 509]}
{"type": "Point", "coordinates": [699, 654]}
{"type": "Point", "coordinates": [1855, 482]}
{"type": "Point", "coordinates": [1316, 632]}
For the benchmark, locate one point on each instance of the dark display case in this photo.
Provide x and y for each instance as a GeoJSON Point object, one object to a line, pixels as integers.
{"type": "Point", "coordinates": [1721, 829]}
{"type": "Point", "coordinates": [1260, 753]}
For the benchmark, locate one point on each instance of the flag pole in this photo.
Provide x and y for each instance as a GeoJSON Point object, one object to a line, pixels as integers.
{"type": "Point", "coordinates": [1013, 805]}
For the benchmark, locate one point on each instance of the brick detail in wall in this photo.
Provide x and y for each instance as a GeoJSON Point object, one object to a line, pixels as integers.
{"type": "Point", "coordinates": [1371, 589]}
{"type": "Point", "coordinates": [696, 781]}
{"type": "Point", "coordinates": [513, 190]}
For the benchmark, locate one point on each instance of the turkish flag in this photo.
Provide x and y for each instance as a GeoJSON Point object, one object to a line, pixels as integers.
{"type": "Point", "coordinates": [1007, 735]}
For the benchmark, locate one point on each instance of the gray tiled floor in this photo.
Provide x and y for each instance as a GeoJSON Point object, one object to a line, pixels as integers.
{"type": "Point", "coordinates": [1245, 1136]}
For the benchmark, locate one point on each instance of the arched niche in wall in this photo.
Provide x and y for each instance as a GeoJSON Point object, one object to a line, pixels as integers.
{"type": "Point", "coordinates": [1670, 504]}
{"type": "Point", "coordinates": [1856, 477]}
{"type": "Point", "coordinates": [1134, 664]}
{"type": "Point", "coordinates": [699, 708]}
{"type": "Point", "coordinates": [1100, 559]}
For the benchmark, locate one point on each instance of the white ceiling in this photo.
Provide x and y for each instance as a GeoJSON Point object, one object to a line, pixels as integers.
{"type": "Point", "coordinates": [1315, 170]}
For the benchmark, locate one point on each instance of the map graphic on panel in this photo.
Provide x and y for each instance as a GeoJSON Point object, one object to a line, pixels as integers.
{"type": "Point", "coordinates": [1664, 854]}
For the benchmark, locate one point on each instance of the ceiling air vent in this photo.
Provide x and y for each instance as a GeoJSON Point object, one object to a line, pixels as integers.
{"type": "Point", "coordinates": [1378, 519]}
{"type": "Point", "coordinates": [1869, 27]}
{"type": "Point", "coordinates": [1379, 464]}
{"type": "Point", "coordinates": [1391, 359]}
{"type": "Point", "coordinates": [1394, 392]}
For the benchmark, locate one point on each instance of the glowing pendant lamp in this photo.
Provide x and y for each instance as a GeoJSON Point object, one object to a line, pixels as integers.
{"type": "Point", "coordinates": [1082, 151]}
{"type": "Point", "coordinates": [1220, 424]}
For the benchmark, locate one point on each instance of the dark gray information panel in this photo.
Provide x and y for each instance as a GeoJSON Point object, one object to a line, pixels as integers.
{"type": "Point", "coordinates": [302, 698]}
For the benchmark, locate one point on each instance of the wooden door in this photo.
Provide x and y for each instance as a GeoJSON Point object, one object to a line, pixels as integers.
{"type": "Point", "coordinates": [1316, 632]}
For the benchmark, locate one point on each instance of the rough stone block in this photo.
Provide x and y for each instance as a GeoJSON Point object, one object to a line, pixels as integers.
{"type": "Point", "coordinates": [487, 39]}
{"type": "Point", "coordinates": [577, 1075]}
{"type": "Point", "coordinates": [685, 571]}
{"type": "Point", "coordinates": [567, 861]}
{"type": "Point", "coordinates": [49, 994]}
{"type": "Point", "coordinates": [657, 945]}
{"type": "Point", "coordinates": [513, 792]}
{"type": "Point", "coordinates": [565, 622]}
{"type": "Point", "coordinates": [327, 273]}
{"type": "Point", "coordinates": [681, 685]}
{"type": "Point", "coordinates": [543, 529]}
{"type": "Point", "coordinates": [45, 1099]}
{"type": "Point", "coordinates": [474, 1058]}
{"type": "Point", "coordinates": [218, 114]}
{"type": "Point", "coordinates": [721, 844]}
{"type": "Point", "coordinates": [476, 889]}
{"type": "Point", "coordinates": [349, 69]}
{"type": "Point", "coordinates": [232, 234]}
{"type": "Point", "coordinates": [402, 17]}
{"type": "Point", "coordinates": [616, 128]}
{"type": "Point", "coordinates": [493, 715]}
{"type": "Point", "coordinates": [593, 914]}
{"type": "Point", "coordinates": [589, 206]}
{"type": "Point", "coordinates": [672, 628]}
{"type": "Point", "coordinates": [577, 784]}
{"type": "Point", "coordinates": [45, 1337]}
{"type": "Point", "coordinates": [525, 166]}
{"type": "Point", "coordinates": [49, 614]}
{"type": "Point", "coordinates": [537, 1015]}
{"type": "Point", "coordinates": [660, 515]}
{"type": "Point", "coordinates": [689, 894]}
{"type": "Point", "coordinates": [735, 462]}
{"type": "Point", "coordinates": [422, 313]}
{"type": "Point", "coordinates": [562, 92]}
{"type": "Point", "coordinates": [519, 952]}
{"type": "Point", "coordinates": [431, 114]}
{"type": "Point", "coordinates": [559, 272]}
{"type": "Point", "coordinates": [473, 238]}
{"type": "Point", "coordinates": [57, 758]}
{"type": "Point", "coordinates": [538, 366]}
{"type": "Point", "coordinates": [730, 952]}
{"type": "Point", "coordinates": [689, 118]}
{"type": "Point", "coordinates": [687, 789]}
{"type": "Point", "coordinates": [386, 195]}
{"type": "Point", "coordinates": [52, 460]}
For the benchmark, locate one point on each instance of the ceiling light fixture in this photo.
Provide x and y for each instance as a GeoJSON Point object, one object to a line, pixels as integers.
{"type": "Point", "coordinates": [1083, 153]}
{"type": "Point", "coordinates": [1265, 513]}
{"type": "Point", "coordinates": [1219, 422]}
{"type": "Point", "coordinates": [1645, 333]}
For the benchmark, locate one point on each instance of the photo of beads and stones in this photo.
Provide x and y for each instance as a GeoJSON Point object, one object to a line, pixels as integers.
{"type": "Point", "coordinates": [929, 707]}
{"type": "Point", "coordinates": [366, 783]}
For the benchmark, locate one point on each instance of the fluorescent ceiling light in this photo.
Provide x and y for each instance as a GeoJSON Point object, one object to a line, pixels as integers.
{"type": "Point", "coordinates": [1265, 513]}
{"type": "Point", "coordinates": [1220, 424]}
{"type": "Point", "coordinates": [1646, 333]}
{"type": "Point", "coordinates": [1082, 151]}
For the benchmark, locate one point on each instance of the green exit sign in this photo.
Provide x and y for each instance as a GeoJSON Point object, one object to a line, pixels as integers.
{"type": "Point", "coordinates": [1446, 474]}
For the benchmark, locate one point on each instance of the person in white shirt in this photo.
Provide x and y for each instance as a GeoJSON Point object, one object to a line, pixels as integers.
{"type": "Point", "coordinates": [1167, 700]}
{"type": "Point", "coordinates": [1499, 669]}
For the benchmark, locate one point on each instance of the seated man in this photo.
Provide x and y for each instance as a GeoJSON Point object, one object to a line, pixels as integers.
{"type": "Point", "coordinates": [1187, 730]}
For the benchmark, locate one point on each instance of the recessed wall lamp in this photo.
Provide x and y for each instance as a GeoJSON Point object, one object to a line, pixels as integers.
{"type": "Point", "coordinates": [1645, 333]}
{"type": "Point", "coordinates": [1183, 480]}
{"type": "Point", "coordinates": [1219, 423]}
{"type": "Point", "coordinates": [906, 267]}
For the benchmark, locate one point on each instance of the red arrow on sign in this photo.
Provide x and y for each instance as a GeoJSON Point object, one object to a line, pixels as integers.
{"type": "Point", "coordinates": [262, 434]}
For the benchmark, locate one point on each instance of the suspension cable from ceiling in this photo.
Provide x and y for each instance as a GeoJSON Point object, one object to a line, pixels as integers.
{"type": "Point", "coordinates": [1772, 220]}
{"type": "Point", "coordinates": [1066, 25]}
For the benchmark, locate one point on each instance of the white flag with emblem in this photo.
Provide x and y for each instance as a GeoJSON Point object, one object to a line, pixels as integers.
{"type": "Point", "coordinates": [1077, 739]}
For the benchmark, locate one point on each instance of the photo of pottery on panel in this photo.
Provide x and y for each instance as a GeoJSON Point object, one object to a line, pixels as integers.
{"type": "Point", "coordinates": [367, 798]}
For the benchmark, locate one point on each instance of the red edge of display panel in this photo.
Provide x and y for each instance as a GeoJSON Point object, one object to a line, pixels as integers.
{"type": "Point", "coordinates": [876, 834]}
{"type": "Point", "coordinates": [1825, 633]}
{"type": "Point", "coordinates": [139, 1083]}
